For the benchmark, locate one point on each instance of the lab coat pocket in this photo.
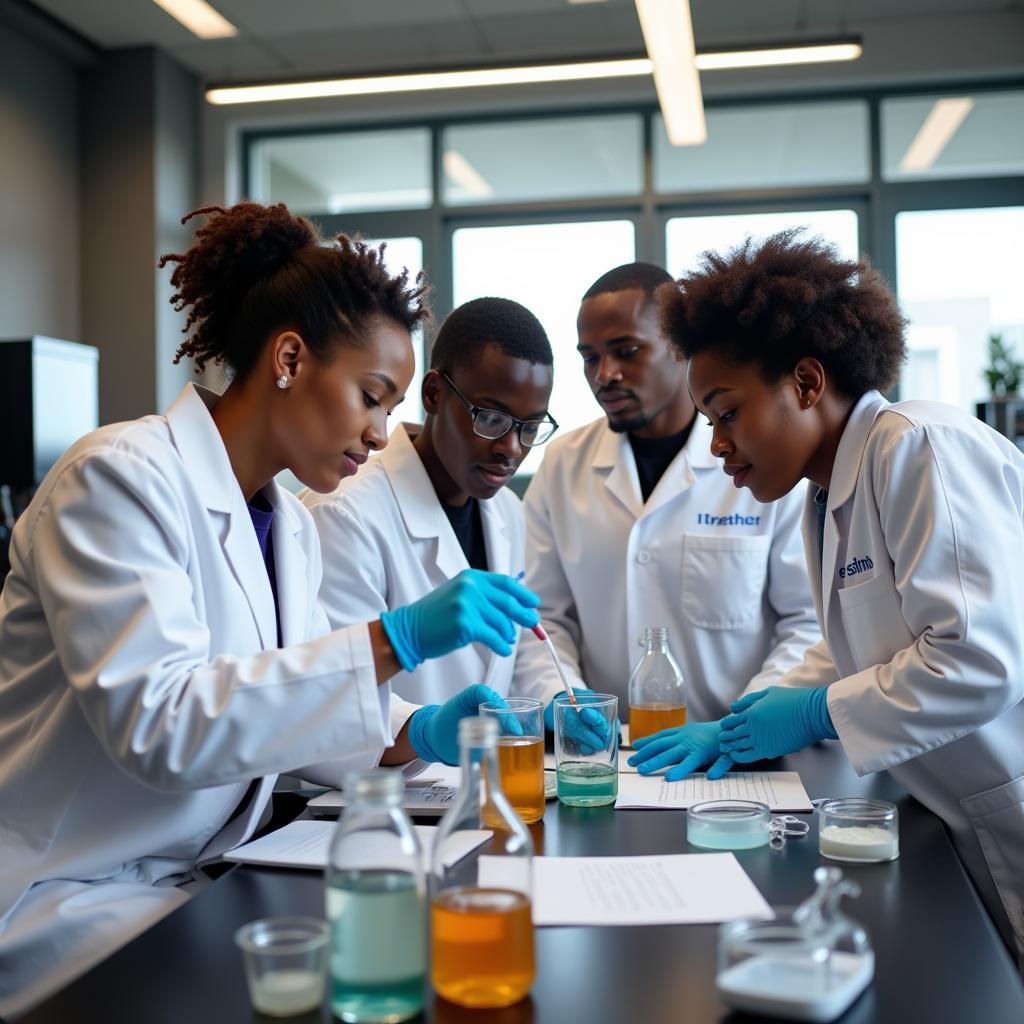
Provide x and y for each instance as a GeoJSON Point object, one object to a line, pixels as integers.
{"type": "Point", "coordinates": [873, 621]}
{"type": "Point", "coordinates": [723, 579]}
{"type": "Point", "coordinates": [997, 816]}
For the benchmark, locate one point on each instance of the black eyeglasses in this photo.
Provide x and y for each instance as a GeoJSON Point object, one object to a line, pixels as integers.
{"type": "Point", "coordinates": [492, 423]}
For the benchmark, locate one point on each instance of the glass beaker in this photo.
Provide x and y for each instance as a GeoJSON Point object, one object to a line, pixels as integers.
{"type": "Point", "coordinates": [520, 756]}
{"type": "Point", "coordinates": [587, 749]}
{"type": "Point", "coordinates": [481, 910]}
{"type": "Point", "coordinates": [284, 964]}
{"type": "Point", "coordinates": [375, 903]}
{"type": "Point", "coordinates": [657, 693]}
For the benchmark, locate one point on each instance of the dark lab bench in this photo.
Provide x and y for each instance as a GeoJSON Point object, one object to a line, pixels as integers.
{"type": "Point", "coordinates": [939, 959]}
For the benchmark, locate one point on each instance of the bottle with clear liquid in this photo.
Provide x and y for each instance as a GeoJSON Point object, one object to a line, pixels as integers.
{"type": "Point", "coordinates": [376, 891]}
{"type": "Point", "coordinates": [481, 933]}
{"type": "Point", "coordinates": [657, 693]}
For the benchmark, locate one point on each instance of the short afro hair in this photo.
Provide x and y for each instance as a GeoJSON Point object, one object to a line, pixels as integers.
{"type": "Point", "coordinates": [476, 324]}
{"type": "Point", "coordinates": [777, 301]}
{"type": "Point", "coordinates": [648, 277]}
{"type": "Point", "coordinates": [254, 269]}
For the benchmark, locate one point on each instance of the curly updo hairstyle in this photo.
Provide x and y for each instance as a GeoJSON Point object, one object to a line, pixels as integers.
{"type": "Point", "coordinates": [256, 269]}
{"type": "Point", "coordinates": [773, 303]}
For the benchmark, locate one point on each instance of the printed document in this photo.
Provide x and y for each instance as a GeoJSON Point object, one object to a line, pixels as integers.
{"type": "Point", "coordinates": [696, 888]}
{"type": "Point", "coordinates": [781, 791]}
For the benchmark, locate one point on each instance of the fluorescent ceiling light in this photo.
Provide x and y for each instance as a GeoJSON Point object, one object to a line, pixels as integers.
{"type": "Point", "coordinates": [430, 80]}
{"type": "Point", "coordinates": [812, 53]}
{"type": "Point", "coordinates": [939, 127]}
{"type": "Point", "coordinates": [466, 176]}
{"type": "Point", "coordinates": [668, 36]}
{"type": "Point", "coordinates": [630, 67]}
{"type": "Point", "coordinates": [199, 18]}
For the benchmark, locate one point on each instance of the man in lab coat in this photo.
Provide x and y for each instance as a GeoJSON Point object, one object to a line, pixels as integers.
{"type": "Point", "coordinates": [435, 502]}
{"type": "Point", "coordinates": [630, 524]}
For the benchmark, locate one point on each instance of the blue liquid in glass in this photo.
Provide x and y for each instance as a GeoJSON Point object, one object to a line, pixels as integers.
{"type": "Point", "coordinates": [585, 784]}
{"type": "Point", "coordinates": [377, 945]}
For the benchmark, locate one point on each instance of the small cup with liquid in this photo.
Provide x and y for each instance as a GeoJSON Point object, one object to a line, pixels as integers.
{"type": "Point", "coordinates": [520, 755]}
{"type": "Point", "coordinates": [285, 963]}
{"type": "Point", "coordinates": [481, 934]}
{"type": "Point", "coordinates": [657, 693]}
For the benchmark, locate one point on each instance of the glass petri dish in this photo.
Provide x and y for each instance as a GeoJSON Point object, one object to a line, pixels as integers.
{"type": "Point", "coordinates": [855, 830]}
{"type": "Point", "coordinates": [728, 825]}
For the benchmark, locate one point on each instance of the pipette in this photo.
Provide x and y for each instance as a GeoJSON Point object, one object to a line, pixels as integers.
{"type": "Point", "coordinates": [538, 632]}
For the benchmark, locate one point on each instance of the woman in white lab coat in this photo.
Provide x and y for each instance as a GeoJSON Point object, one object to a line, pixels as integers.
{"type": "Point", "coordinates": [914, 534]}
{"type": "Point", "coordinates": [144, 704]}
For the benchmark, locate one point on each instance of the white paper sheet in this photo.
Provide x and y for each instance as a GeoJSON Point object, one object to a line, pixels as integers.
{"type": "Point", "coordinates": [781, 791]}
{"type": "Point", "coordinates": [304, 844]}
{"type": "Point", "coordinates": [673, 889]}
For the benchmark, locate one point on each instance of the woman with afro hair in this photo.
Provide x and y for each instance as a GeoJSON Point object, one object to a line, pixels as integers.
{"type": "Point", "coordinates": [914, 536]}
{"type": "Point", "coordinates": [162, 651]}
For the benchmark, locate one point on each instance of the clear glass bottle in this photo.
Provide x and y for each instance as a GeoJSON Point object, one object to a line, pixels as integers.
{"type": "Point", "coordinates": [376, 892]}
{"type": "Point", "coordinates": [481, 908]}
{"type": "Point", "coordinates": [657, 692]}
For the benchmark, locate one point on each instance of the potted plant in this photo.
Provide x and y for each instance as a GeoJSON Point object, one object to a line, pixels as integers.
{"type": "Point", "coordinates": [1003, 375]}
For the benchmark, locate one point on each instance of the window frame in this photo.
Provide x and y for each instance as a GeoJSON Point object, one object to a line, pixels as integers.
{"type": "Point", "coordinates": [876, 201]}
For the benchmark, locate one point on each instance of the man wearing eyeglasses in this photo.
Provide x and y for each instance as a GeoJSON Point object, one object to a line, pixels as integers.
{"type": "Point", "coordinates": [632, 523]}
{"type": "Point", "coordinates": [434, 503]}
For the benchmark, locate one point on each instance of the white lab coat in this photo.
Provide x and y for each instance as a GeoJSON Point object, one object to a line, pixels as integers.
{"type": "Point", "coordinates": [139, 692]}
{"type": "Point", "coordinates": [920, 591]}
{"type": "Point", "coordinates": [387, 542]}
{"type": "Point", "coordinates": [722, 571]}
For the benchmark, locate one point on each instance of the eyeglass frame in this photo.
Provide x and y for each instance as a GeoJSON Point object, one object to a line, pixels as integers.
{"type": "Point", "coordinates": [516, 425]}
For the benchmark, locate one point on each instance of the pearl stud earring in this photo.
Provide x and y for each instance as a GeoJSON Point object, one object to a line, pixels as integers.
{"type": "Point", "coordinates": [282, 381]}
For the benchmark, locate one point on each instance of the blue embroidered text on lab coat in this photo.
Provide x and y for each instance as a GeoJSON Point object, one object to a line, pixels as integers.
{"type": "Point", "coordinates": [856, 566]}
{"type": "Point", "coordinates": [735, 519]}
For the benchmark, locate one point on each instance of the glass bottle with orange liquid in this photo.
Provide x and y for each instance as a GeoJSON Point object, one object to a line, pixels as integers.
{"type": "Point", "coordinates": [657, 692]}
{"type": "Point", "coordinates": [481, 933]}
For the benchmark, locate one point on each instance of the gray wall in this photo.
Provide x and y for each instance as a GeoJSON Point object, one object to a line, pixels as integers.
{"type": "Point", "coordinates": [39, 191]}
{"type": "Point", "coordinates": [99, 158]}
{"type": "Point", "coordinates": [139, 172]}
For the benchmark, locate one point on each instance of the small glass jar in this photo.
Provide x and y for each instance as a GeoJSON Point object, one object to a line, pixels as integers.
{"type": "Point", "coordinates": [859, 831]}
{"type": "Point", "coordinates": [728, 824]}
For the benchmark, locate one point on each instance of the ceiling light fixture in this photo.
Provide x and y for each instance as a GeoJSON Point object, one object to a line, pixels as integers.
{"type": "Point", "coordinates": [430, 80]}
{"type": "Point", "coordinates": [776, 56]}
{"type": "Point", "coordinates": [941, 124]}
{"type": "Point", "coordinates": [531, 74]}
{"type": "Point", "coordinates": [668, 36]}
{"type": "Point", "coordinates": [199, 18]}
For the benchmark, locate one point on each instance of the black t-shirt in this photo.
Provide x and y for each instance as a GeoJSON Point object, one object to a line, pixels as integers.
{"type": "Point", "coordinates": [654, 455]}
{"type": "Point", "coordinates": [469, 529]}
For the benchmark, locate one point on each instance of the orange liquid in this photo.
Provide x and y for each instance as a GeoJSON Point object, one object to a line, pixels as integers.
{"type": "Point", "coordinates": [521, 769]}
{"type": "Point", "coordinates": [645, 719]}
{"type": "Point", "coordinates": [482, 946]}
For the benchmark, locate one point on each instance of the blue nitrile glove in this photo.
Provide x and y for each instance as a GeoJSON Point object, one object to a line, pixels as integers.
{"type": "Point", "coordinates": [474, 607]}
{"type": "Point", "coordinates": [776, 721]}
{"type": "Point", "coordinates": [434, 729]}
{"type": "Point", "coordinates": [688, 748]}
{"type": "Point", "coordinates": [588, 727]}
